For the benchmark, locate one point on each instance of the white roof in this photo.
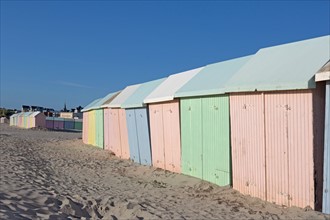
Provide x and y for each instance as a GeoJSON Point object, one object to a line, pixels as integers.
{"type": "Point", "coordinates": [34, 114]}
{"type": "Point", "coordinates": [14, 115]}
{"type": "Point", "coordinates": [121, 98]}
{"type": "Point", "coordinates": [166, 90]}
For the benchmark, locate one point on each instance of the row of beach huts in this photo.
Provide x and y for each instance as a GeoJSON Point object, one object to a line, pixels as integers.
{"type": "Point", "coordinates": [39, 120]}
{"type": "Point", "coordinates": [259, 123]}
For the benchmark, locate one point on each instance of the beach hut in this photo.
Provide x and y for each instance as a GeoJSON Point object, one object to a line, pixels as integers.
{"type": "Point", "coordinates": [68, 124]}
{"type": "Point", "coordinates": [37, 119]}
{"type": "Point", "coordinates": [50, 122]}
{"type": "Point", "coordinates": [19, 119]}
{"type": "Point", "coordinates": [26, 119]}
{"type": "Point", "coordinates": [164, 117]}
{"type": "Point", "coordinates": [13, 119]}
{"type": "Point", "coordinates": [78, 124]}
{"type": "Point", "coordinates": [88, 128]}
{"type": "Point", "coordinates": [277, 124]}
{"type": "Point", "coordinates": [115, 123]}
{"type": "Point", "coordinates": [58, 123]}
{"type": "Point", "coordinates": [3, 120]}
{"type": "Point", "coordinates": [85, 128]}
{"type": "Point", "coordinates": [95, 120]}
{"type": "Point", "coordinates": [323, 75]}
{"type": "Point", "coordinates": [138, 123]}
{"type": "Point", "coordinates": [205, 123]}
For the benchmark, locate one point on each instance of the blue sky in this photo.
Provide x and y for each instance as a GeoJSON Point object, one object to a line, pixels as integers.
{"type": "Point", "coordinates": [77, 51]}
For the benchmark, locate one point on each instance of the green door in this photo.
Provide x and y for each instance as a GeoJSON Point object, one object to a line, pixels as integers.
{"type": "Point", "coordinates": [99, 128]}
{"type": "Point", "coordinates": [191, 137]}
{"type": "Point", "coordinates": [216, 140]}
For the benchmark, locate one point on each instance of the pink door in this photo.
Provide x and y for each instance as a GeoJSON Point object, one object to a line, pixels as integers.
{"type": "Point", "coordinates": [123, 134]}
{"type": "Point", "coordinates": [247, 139]}
{"type": "Point", "coordinates": [114, 133]}
{"type": "Point", "coordinates": [172, 141]}
{"type": "Point", "coordinates": [85, 127]}
{"type": "Point", "coordinates": [300, 145]}
{"type": "Point", "coordinates": [277, 169]}
{"type": "Point", "coordinates": [157, 135]}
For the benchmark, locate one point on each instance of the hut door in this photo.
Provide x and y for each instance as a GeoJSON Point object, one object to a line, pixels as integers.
{"type": "Point", "coordinates": [106, 128]}
{"type": "Point", "coordinates": [191, 137]}
{"type": "Point", "coordinates": [123, 134]}
{"type": "Point", "coordinates": [132, 135]}
{"type": "Point", "coordinates": [142, 125]}
{"type": "Point", "coordinates": [114, 134]}
{"type": "Point", "coordinates": [171, 123]}
{"type": "Point", "coordinates": [247, 139]}
{"type": "Point", "coordinates": [157, 135]}
{"type": "Point", "coordinates": [216, 146]}
{"type": "Point", "coordinates": [289, 148]}
{"type": "Point", "coordinates": [276, 129]}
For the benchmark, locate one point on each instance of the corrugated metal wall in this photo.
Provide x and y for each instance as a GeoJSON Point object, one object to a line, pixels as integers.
{"type": "Point", "coordinates": [216, 140]}
{"type": "Point", "coordinates": [85, 128]}
{"type": "Point", "coordinates": [142, 127]}
{"type": "Point", "coordinates": [114, 132]}
{"type": "Point", "coordinates": [78, 123]}
{"type": "Point", "coordinates": [205, 138]}
{"type": "Point", "coordinates": [106, 128]}
{"type": "Point", "coordinates": [247, 142]}
{"type": "Point", "coordinates": [99, 135]}
{"type": "Point", "coordinates": [172, 136]}
{"type": "Point", "coordinates": [123, 134]}
{"type": "Point", "coordinates": [59, 123]}
{"type": "Point", "coordinates": [68, 124]}
{"type": "Point", "coordinates": [165, 135]}
{"type": "Point", "coordinates": [138, 135]}
{"type": "Point", "coordinates": [274, 145]}
{"type": "Point", "coordinates": [157, 135]}
{"type": "Point", "coordinates": [117, 138]}
{"type": "Point", "coordinates": [326, 173]}
{"type": "Point", "coordinates": [91, 127]}
{"type": "Point", "coordinates": [191, 137]}
{"type": "Point", "coordinates": [132, 136]}
{"type": "Point", "coordinates": [289, 148]}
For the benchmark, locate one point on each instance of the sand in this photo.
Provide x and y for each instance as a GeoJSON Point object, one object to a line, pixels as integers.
{"type": "Point", "coordinates": [53, 175]}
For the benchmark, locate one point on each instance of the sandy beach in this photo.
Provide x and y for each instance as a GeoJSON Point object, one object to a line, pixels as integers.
{"type": "Point", "coordinates": [53, 175]}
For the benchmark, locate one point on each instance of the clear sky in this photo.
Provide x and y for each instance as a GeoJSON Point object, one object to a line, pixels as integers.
{"type": "Point", "coordinates": [77, 51]}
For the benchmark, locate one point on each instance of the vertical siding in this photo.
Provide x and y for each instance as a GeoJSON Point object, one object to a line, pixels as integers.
{"type": "Point", "coordinates": [142, 125]}
{"type": "Point", "coordinates": [157, 135]}
{"type": "Point", "coordinates": [114, 133]}
{"type": "Point", "coordinates": [50, 123]}
{"type": "Point", "coordinates": [123, 134]}
{"type": "Point", "coordinates": [290, 144]}
{"type": "Point", "coordinates": [77, 125]}
{"type": "Point", "coordinates": [300, 145]}
{"type": "Point", "coordinates": [191, 137]}
{"type": "Point", "coordinates": [58, 123]}
{"type": "Point", "coordinates": [99, 131]}
{"type": "Point", "coordinates": [326, 173]}
{"type": "Point", "coordinates": [247, 139]}
{"type": "Point", "coordinates": [24, 122]}
{"type": "Point", "coordinates": [277, 169]}
{"type": "Point", "coordinates": [68, 124]}
{"type": "Point", "coordinates": [172, 139]}
{"type": "Point", "coordinates": [39, 121]}
{"type": "Point", "coordinates": [85, 127]}
{"type": "Point", "coordinates": [91, 127]}
{"type": "Point", "coordinates": [216, 140]}
{"type": "Point", "coordinates": [132, 136]}
{"type": "Point", "coordinates": [106, 123]}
